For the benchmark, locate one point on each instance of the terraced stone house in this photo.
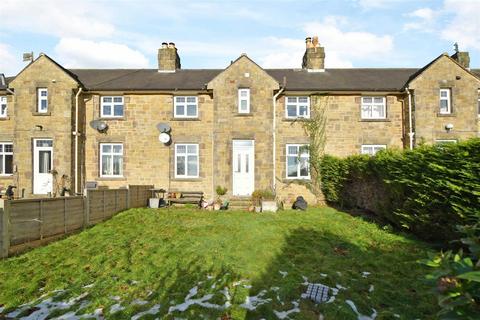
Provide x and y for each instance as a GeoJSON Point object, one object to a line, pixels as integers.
{"type": "Point", "coordinates": [242, 127]}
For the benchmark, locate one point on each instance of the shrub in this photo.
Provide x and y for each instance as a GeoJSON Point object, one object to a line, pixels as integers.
{"type": "Point", "coordinates": [221, 191]}
{"type": "Point", "coordinates": [427, 191]}
{"type": "Point", "coordinates": [259, 195]}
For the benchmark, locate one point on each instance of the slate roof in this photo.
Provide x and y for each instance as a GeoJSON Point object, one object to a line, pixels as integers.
{"type": "Point", "coordinates": [361, 79]}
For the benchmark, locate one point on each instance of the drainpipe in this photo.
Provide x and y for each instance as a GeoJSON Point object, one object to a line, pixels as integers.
{"type": "Point", "coordinates": [274, 134]}
{"type": "Point", "coordinates": [76, 134]}
{"type": "Point", "coordinates": [410, 122]}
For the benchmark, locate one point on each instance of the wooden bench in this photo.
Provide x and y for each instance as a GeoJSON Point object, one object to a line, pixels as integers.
{"type": "Point", "coordinates": [187, 197]}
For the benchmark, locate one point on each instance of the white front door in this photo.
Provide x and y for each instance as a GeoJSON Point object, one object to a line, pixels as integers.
{"type": "Point", "coordinates": [42, 166]}
{"type": "Point", "coordinates": [243, 163]}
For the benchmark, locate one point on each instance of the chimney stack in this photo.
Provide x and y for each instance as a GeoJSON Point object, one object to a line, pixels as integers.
{"type": "Point", "coordinates": [463, 58]}
{"type": "Point", "coordinates": [168, 58]}
{"type": "Point", "coordinates": [314, 57]}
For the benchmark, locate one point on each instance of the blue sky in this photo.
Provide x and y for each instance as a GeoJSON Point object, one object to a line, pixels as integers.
{"type": "Point", "coordinates": [209, 34]}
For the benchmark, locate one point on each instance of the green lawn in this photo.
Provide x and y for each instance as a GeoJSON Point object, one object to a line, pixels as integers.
{"type": "Point", "coordinates": [150, 260]}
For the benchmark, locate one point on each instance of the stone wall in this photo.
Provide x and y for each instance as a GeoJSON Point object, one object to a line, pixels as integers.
{"type": "Point", "coordinates": [429, 123]}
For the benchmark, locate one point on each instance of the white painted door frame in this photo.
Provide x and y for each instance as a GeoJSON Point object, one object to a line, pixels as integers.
{"type": "Point", "coordinates": [243, 167]}
{"type": "Point", "coordinates": [42, 166]}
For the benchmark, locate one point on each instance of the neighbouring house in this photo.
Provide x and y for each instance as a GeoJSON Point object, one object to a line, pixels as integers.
{"type": "Point", "coordinates": [242, 127]}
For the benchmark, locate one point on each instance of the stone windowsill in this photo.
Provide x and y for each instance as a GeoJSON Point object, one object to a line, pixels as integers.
{"type": "Point", "coordinates": [42, 114]}
{"type": "Point", "coordinates": [446, 115]}
{"type": "Point", "coordinates": [187, 179]}
{"type": "Point", "coordinates": [113, 118]}
{"type": "Point", "coordinates": [5, 118]}
{"type": "Point", "coordinates": [375, 120]}
{"type": "Point", "coordinates": [295, 180]}
{"type": "Point", "coordinates": [296, 119]}
{"type": "Point", "coordinates": [6, 176]}
{"type": "Point", "coordinates": [184, 119]}
{"type": "Point", "coordinates": [111, 179]}
{"type": "Point", "coordinates": [243, 114]}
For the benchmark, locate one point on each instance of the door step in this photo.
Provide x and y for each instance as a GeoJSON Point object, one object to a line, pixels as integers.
{"type": "Point", "coordinates": [239, 203]}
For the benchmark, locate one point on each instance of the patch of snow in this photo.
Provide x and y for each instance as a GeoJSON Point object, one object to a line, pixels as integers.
{"type": "Point", "coordinates": [139, 302]}
{"type": "Point", "coordinates": [359, 315]}
{"type": "Point", "coordinates": [283, 273]}
{"type": "Point", "coordinates": [115, 298]}
{"type": "Point", "coordinates": [285, 314]}
{"type": "Point", "coordinates": [396, 315]}
{"type": "Point", "coordinates": [189, 302]}
{"type": "Point", "coordinates": [2, 308]}
{"type": "Point", "coordinates": [324, 275]}
{"type": "Point", "coordinates": [365, 274]}
{"type": "Point", "coordinates": [340, 287]}
{"type": "Point", "coordinates": [275, 288]}
{"type": "Point", "coordinates": [152, 310]}
{"type": "Point", "coordinates": [134, 282]}
{"type": "Point", "coordinates": [252, 302]}
{"type": "Point", "coordinates": [209, 277]}
{"type": "Point", "coordinates": [339, 273]}
{"type": "Point", "coordinates": [371, 288]}
{"type": "Point", "coordinates": [89, 285]}
{"type": "Point", "coordinates": [228, 298]}
{"type": "Point", "coordinates": [116, 307]}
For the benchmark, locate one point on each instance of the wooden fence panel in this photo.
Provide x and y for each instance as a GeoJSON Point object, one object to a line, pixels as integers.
{"type": "Point", "coordinates": [139, 195]}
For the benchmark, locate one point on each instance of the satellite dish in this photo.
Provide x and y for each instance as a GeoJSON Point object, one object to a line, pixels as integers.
{"type": "Point", "coordinates": [163, 127]}
{"type": "Point", "coordinates": [99, 125]}
{"type": "Point", "coordinates": [164, 137]}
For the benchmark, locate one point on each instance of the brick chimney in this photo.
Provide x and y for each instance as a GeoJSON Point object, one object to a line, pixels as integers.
{"type": "Point", "coordinates": [314, 57]}
{"type": "Point", "coordinates": [168, 58]}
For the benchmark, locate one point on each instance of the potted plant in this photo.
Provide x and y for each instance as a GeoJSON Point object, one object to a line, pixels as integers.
{"type": "Point", "coordinates": [257, 200]}
{"type": "Point", "coordinates": [268, 201]}
{"type": "Point", "coordinates": [221, 191]}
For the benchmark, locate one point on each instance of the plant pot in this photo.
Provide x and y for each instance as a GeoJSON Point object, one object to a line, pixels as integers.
{"type": "Point", "coordinates": [178, 195]}
{"type": "Point", "coordinates": [153, 202]}
{"type": "Point", "coordinates": [217, 206]}
{"type": "Point", "coordinates": [258, 209]}
{"type": "Point", "coordinates": [269, 206]}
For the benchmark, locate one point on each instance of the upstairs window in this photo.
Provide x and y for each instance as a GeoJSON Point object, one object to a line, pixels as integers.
{"type": "Point", "coordinates": [3, 106]}
{"type": "Point", "coordinates": [372, 149]}
{"type": "Point", "coordinates": [186, 161]}
{"type": "Point", "coordinates": [112, 107]}
{"type": "Point", "coordinates": [244, 100]}
{"type": "Point", "coordinates": [6, 158]}
{"type": "Point", "coordinates": [297, 107]}
{"type": "Point", "coordinates": [111, 160]}
{"type": "Point", "coordinates": [478, 105]}
{"type": "Point", "coordinates": [185, 107]}
{"type": "Point", "coordinates": [445, 101]}
{"type": "Point", "coordinates": [374, 108]}
{"type": "Point", "coordinates": [42, 100]}
{"type": "Point", "coordinates": [298, 161]}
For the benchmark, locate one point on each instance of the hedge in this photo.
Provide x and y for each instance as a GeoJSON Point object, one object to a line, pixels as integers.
{"type": "Point", "coordinates": [427, 191]}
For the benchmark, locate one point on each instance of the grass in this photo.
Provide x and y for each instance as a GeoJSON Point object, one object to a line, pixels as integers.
{"type": "Point", "coordinates": [159, 255]}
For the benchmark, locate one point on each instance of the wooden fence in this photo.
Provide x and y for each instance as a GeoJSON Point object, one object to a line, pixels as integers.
{"type": "Point", "coordinates": [26, 223]}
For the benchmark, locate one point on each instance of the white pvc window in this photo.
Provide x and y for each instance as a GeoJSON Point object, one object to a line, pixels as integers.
{"type": "Point", "coordinates": [478, 106]}
{"type": "Point", "coordinates": [186, 161]}
{"type": "Point", "coordinates": [244, 100]}
{"type": "Point", "coordinates": [3, 106]}
{"type": "Point", "coordinates": [42, 100]}
{"type": "Point", "coordinates": [6, 158]}
{"type": "Point", "coordinates": [445, 101]}
{"type": "Point", "coordinates": [185, 107]}
{"type": "Point", "coordinates": [372, 149]}
{"type": "Point", "coordinates": [298, 161]}
{"type": "Point", "coordinates": [112, 106]}
{"type": "Point", "coordinates": [297, 107]}
{"type": "Point", "coordinates": [111, 160]}
{"type": "Point", "coordinates": [374, 108]}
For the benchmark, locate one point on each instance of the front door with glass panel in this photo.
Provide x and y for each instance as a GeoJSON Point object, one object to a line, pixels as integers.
{"type": "Point", "coordinates": [42, 166]}
{"type": "Point", "coordinates": [243, 162]}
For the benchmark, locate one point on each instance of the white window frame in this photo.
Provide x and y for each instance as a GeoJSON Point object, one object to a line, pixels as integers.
{"type": "Point", "coordinates": [448, 98]}
{"type": "Point", "coordinates": [478, 106]}
{"type": "Point", "coordinates": [41, 98]}
{"type": "Point", "coordinates": [298, 177]}
{"type": "Point", "coordinates": [112, 107]}
{"type": "Point", "coordinates": [185, 155]}
{"type": "Point", "coordinates": [184, 104]}
{"type": "Point", "coordinates": [298, 105]}
{"type": "Point", "coordinates": [368, 114]}
{"type": "Point", "coordinates": [112, 154]}
{"type": "Point", "coordinates": [373, 147]}
{"type": "Point", "coordinates": [240, 99]}
{"type": "Point", "coordinates": [4, 153]}
{"type": "Point", "coordinates": [3, 107]}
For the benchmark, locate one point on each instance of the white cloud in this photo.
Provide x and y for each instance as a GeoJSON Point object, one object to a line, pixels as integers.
{"type": "Point", "coordinates": [10, 64]}
{"type": "Point", "coordinates": [78, 53]}
{"type": "Point", "coordinates": [464, 27]}
{"type": "Point", "coordinates": [56, 17]}
{"type": "Point", "coordinates": [425, 19]}
{"type": "Point", "coordinates": [373, 4]}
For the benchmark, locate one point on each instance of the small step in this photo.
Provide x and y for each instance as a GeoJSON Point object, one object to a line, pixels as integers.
{"type": "Point", "coordinates": [239, 203]}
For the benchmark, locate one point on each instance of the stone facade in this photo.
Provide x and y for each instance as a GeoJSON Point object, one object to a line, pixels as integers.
{"type": "Point", "coordinates": [148, 161]}
{"type": "Point", "coordinates": [430, 124]}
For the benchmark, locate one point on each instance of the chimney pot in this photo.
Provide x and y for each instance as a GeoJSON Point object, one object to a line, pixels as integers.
{"type": "Point", "coordinates": [308, 42]}
{"type": "Point", "coordinates": [171, 45]}
{"type": "Point", "coordinates": [164, 44]}
{"type": "Point", "coordinates": [315, 41]}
